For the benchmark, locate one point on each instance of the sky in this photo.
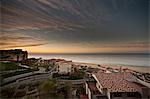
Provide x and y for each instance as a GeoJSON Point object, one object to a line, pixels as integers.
{"type": "Point", "coordinates": [75, 26]}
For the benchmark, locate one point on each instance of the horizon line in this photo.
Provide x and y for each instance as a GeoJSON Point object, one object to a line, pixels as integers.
{"type": "Point", "coordinates": [93, 53]}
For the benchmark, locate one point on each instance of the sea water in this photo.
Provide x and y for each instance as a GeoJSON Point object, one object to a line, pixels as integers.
{"type": "Point", "coordinates": [136, 59]}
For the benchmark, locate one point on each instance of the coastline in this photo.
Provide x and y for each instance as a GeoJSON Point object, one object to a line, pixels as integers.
{"type": "Point", "coordinates": [131, 60]}
{"type": "Point", "coordinates": [139, 67]}
{"type": "Point", "coordinates": [143, 69]}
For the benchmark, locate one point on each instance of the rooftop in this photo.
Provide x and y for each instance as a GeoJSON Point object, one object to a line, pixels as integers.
{"type": "Point", "coordinates": [118, 82]}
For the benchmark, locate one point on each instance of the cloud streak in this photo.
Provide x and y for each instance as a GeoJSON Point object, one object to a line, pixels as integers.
{"type": "Point", "coordinates": [74, 22]}
{"type": "Point", "coordinates": [7, 45]}
{"type": "Point", "coordinates": [14, 40]}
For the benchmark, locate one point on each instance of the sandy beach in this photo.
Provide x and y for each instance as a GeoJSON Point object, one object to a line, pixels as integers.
{"type": "Point", "coordinates": [144, 69]}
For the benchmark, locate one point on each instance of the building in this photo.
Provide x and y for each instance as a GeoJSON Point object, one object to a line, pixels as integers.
{"type": "Point", "coordinates": [16, 55]}
{"type": "Point", "coordinates": [116, 86]}
{"type": "Point", "coordinates": [93, 92]}
{"type": "Point", "coordinates": [64, 67]}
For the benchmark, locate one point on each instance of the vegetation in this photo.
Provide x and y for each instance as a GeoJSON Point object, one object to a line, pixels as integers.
{"type": "Point", "coordinates": [9, 66]}
{"type": "Point", "coordinates": [7, 93]}
{"type": "Point", "coordinates": [81, 90]}
{"type": "Point", "coordinates": [49, 89]}
{"type": "Point", "coordinates": [53, 89]}
{"type": "Point", "coordinates": [18, 92]}
{"type": "Point", "coordinates": [68, 76]}
{"type": "Point", "coordinates": [32, 62]}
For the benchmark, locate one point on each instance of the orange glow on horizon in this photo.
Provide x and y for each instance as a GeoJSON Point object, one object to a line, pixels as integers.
{"type": "Point", "coordinates": [83, 49]}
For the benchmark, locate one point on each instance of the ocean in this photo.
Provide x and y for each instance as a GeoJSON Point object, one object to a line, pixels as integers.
{"type": "Point", "coordinates": [126, 59]}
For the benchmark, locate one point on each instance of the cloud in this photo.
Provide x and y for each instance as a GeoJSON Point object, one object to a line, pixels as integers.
{"type": "Point", "coordinates": [14, 40]}
{"type": "Point", "coordinates": [72, 22]}
{"type": "Point", "coordinates": [33, 15]}
{"type": "Point", "coordinates": [53, 14]}
{"type": "Point", "coordinates": [6, 38]}
{"type": "Point", "coordinates": [7, 45]}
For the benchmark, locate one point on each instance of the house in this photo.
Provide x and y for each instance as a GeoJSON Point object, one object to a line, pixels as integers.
{"type": "Point", "coordinates": [30, 62]}
{"type": "Point", "coordinates": [93, 92]}
{"type": "Point", "coordinates": [116, 86]}
{"type": "Point", "coordinates": [64, 68]}
{"type": "Point", "coordinates": [16, 55]}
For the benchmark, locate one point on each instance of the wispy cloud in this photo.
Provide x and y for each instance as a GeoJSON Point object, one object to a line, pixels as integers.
{"type": "Point", "coordinates": [39, 22]}
{"type": "Point", "coordinates": [7, 45]}
{"type": "Point", "coordinates": [54, 14]}
{"type": "Point", "coordinates": [15, 40]}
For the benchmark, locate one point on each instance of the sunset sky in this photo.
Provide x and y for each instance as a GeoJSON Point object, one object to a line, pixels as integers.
{"type": "Point", "coordinates": [75, 26]}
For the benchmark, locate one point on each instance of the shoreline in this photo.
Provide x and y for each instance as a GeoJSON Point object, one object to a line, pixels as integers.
{"type": "Point", "coordinates": [138, 68]}
{"type": "Point", "coordinates": [143, 69]}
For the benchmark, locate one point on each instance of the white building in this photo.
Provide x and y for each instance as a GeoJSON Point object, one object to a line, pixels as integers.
{"type": "Point", "coordinates": [64, 67]}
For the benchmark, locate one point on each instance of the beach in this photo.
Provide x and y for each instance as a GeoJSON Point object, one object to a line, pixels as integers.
{"type": "Point", "coordinates": [136, 62]}
{"type": "Point", "coordinates": [143, 69]}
